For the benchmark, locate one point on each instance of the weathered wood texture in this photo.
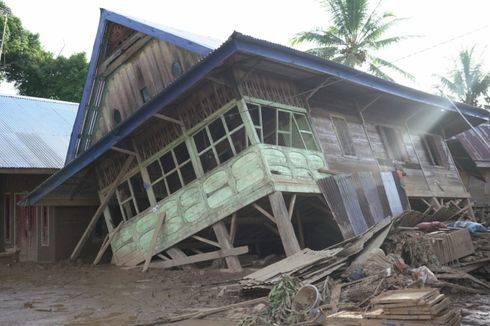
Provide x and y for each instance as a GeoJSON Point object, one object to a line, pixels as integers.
{"type": "Point", "coordinates": [268, 87]}
{"type": "Point", "coordinates": [284, 225]}
{"type": "Point", "coordinates": [223, 238]}
{"type": "Point", "coordinates": [236, 184]}
{"type": "Point", "coordinates": [422, 180]}
{"type": "Point", "coordinates": [101, 208]}
{"type": "Point", "coordinates": [152, 67]}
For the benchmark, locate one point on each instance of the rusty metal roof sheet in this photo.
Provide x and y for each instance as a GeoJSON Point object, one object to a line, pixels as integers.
{"type": "Point", "coordinates": [477, 149]}
{"type": "Point", "coordinates": [34, 132]}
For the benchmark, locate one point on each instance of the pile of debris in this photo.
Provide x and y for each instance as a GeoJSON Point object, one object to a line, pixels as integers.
{"type": "Point", "coordinates": [410, 307]}
{"type": "Point", "coordinates": [382, 275]}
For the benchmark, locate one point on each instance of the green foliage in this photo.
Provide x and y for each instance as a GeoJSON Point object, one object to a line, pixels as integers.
{"type": "Point", "coordinates": [279, 310]}
{"type": "Point", "coordinates": [35, 71]}
{"type": "Point", "coordinates": [466, 81]}
{"type": "Point", "coordinates": [354, 34]}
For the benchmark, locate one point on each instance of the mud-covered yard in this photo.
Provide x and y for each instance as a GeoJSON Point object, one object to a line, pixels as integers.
{"type": "Point", "coordinates": [67, 294]}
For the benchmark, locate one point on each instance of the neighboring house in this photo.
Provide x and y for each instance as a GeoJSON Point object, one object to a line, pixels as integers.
{"type": "Point", "coordinates": [471, 151]}
{"type": "Point", "coordinates": [225, 145]}
{"type": "Point", "coordinates": [34, 137]}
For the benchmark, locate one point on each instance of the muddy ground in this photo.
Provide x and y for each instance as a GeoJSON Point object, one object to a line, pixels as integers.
{"type": "Point", "coordinates": [67, 294]}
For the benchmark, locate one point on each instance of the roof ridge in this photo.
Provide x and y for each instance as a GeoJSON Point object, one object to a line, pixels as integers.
{"type": "Point", "coordinates": [39, 99]}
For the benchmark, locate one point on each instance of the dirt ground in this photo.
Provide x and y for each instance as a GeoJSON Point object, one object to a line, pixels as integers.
{"type": "Point", "coordinates": [67, 294]}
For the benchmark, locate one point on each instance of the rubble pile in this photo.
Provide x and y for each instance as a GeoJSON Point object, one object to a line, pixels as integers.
{"type": "Point", "coordinates": [390, 274]}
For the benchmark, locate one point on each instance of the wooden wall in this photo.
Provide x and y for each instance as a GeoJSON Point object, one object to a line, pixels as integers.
{"type": "Point", "coordinates": [150, 67]}
{"type": "Point", "coordinates": [422, 180]}
{"type": "Point", "coordinates": [479, 190]}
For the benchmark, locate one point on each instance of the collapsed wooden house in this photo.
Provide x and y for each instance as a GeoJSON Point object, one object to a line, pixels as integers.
{"type": "Point", "coordinates": [34, 137]}
{"type": "Point", "coordinates": [471, 151]}
{"type": "Point", "coordinates": [201, 152]}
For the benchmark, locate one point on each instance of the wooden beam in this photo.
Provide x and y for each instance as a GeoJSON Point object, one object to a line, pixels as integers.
{"type": "Point", "coordinates": [153, 242]}
{"type": "Point", "coordinates": [263, 211]}
{"type": "Point", "coordinates": [163, 257]}
{"type": "Point", "coordinates": [167, 118]}
{"type": "Point", "coordinates": [176, 253]}
{"type": "Point", "coordinates": [201, 257]}
{"type": "Point", "coordinates": [223, 238]}
{"type": "Point", "coordinates": [233, 225]}
{"type": "Point", "coordinates": [210, 242]}
{"type": "Point", "coordinates": [106, 244]}
{"type": "Point", "coordinates": [291, 206]}
{"type": "Point", "coordinates": [122, 150]}
{"type": "Point", "coordinates": [271, 228]}
{"type": "Point", "coordinates": [103, 204]}
{"type": "Point", "coordinates": [284, 226]}
{"type": "Point", "coordinates": [301, 232]}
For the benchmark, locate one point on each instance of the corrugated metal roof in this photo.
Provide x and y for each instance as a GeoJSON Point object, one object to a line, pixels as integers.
{"type": "Point", "coordinates": [478, 150]}
{"type": "Point", "coordinates": [34, 132]}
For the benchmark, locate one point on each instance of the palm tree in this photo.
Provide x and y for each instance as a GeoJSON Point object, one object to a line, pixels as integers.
{"type": "Point", "coordinates": [354, 35]}
{"type": "Point", "coordinates": [467, 82]}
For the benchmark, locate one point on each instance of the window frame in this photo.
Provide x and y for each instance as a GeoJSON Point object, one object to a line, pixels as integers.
{"type": "Point", "coordinates": [228, 136]}
{"type": "Point", "coordinates": [177, 168]}
{"type": "Point", "coordinates": [432, 153]}
{"type": "Point", "coordinates": [340, 139]}
{"type": "Point", "coordinates": [291, 111]}
{"type": "Point", "coordinates": [402, 147]}
{"type": "Point", "coordinates": [131, 197]}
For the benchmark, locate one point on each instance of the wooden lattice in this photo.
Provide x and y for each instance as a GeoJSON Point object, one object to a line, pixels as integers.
{"type": "Point", "coordinates": [271, 88]}
{"type": "Point", "coordinates": [203, 103]}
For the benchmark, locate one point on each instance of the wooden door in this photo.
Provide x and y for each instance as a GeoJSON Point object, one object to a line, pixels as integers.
{"type": "Point", "coordinates": [26, 230]}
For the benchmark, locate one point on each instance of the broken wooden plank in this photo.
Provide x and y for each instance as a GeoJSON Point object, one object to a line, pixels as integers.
{"type": "Point", "coordinates": [103, 204]}
{"type": "Point", "coordinates": [201, 257]}
{"type": "Point", "coordinates": [106, 244]}
{"type": "Point", "coordinates": [153, 242]}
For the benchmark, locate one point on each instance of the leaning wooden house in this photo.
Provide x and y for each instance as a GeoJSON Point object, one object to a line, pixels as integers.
{"type": "Point", "coordinates": [202, 152]}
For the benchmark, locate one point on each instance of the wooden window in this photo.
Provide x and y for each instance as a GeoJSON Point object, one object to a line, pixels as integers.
{"type": "Point", "coordinates": [171, 171]}
{"type": "Point", "coordinates": [145, 94]}
{"type": "Point", "coordinates": [434, 150]}
{"type": "Point", "coordinates": [282, 127]}
{"type": "Point", "coordinates": [44, 225]}
{"type": "Point", "coordinates": [343, 135]}
{"type": "Point", "coordinates": [393, 143]}
{"type": "Point", "coordinates": [222, 139]}
{"type": "Point", "coordinates": [7, 217]}
{"type": "Point", "coordinates": [132, 197]}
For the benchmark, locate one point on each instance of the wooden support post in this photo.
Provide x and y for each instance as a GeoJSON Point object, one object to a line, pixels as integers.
{"type": "Point", "coordinates": [167, 118]}
{"type": "Point", "coordinates": [301, 232]}
{"type": "Point", "coordinates": [266, 213]}
{"type": "Point", "coordinates": [470, 209]}
{"type": "Point", "coordinates": [209, 242]}
{"type": "Point", "coordinates": [291, 206]}
{"type": "Point", "coordinates": [284, 226]}
{"type": "Point", "coordinates": [175, 253]}
{"type": "Point", "coordinates": [103, 205]}
{"type": "Point", "coordinates": [153, 242]}
{"type": "Point", "coordinates": [233, 226]}
{"type": "Point", "coordinates": [223, 238]}
{"type": "Point", "coordinates": [106, 244]}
